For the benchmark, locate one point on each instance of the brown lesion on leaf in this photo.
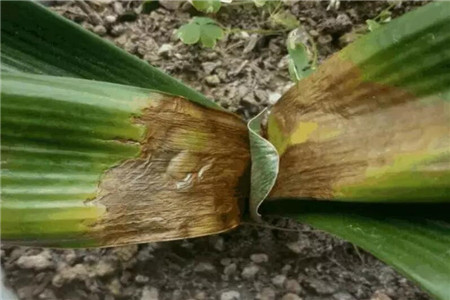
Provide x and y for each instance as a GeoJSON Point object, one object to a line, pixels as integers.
{"type": "Point", "coordinates": [185, 182]}
{"type": "Point", "coordinates": [360, 125]}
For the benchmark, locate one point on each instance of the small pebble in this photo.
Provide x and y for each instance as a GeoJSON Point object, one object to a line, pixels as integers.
{"type": "Point", "coordinates": [259, 258]}
{"type": "Point", "coordinates": [290, 296]}
{"type": "Point", "coordinates": [150, 293]}
{"type": "Point", "coordinates": [286, 269]}
{"type": "Point", "coordinates": [230, 269]}
{"type": "Point", "coordinates": [209, 66]}
{"type": "Point", "coordinates": [212, 79]}
{"type": "Point", "coordinates": [110, 19]}
{"type": "Point", "coordinates": [267, 294]}
{"type": "Point", "coordinates": [115, 287]}
{"type": "Point", "coordinates": [219, 244]}
{"type": "Point", "coordinates": [38, 262]}
{"type": "Point", "coordinates": [47, 294]}
{"type": "Point", "coordinates": [279, 280]}
{"type": "Point", "coordinates": [298, 246]}
{"type": "Point", "coordinates": [100, 30]}
{"type": "Point", "coordinates": [200, 295]}
{"type": "Point", "coordinates": [141, 279]}
{"type": "Point", "coordinates": [118, 8]}
{"type": "Point", "coordinates": [314, 33]}
{"type": "Point", "coordinates": [117, 30]}
{"type": "Point", "coordinates": [261, 95]}
{"type": "Point", "coordinates": [170, 4]}
{"type": "Point", "coordinates": [225, 261]}
{"type": "Point", "coordinates": [293, 286]}
{"type": "Point", "coordinates": [325, 39]}
{"type": "Point", "coordinates": [380, 296]}
{"type": "Point", "coordinates": [343, 296]}
{"type": "Point", "coordinates": [321, 287]}
{"type": "Point", "coordinates": [77, 272]}
{"type": "Point", "coordinates": [344, 20]}
{"type": "Point", "coordinates": [230, 295]}
{"type": "Point", "coordinates": [104, 268]}
{"type": "Point", "coordinates": [249, 272]}
{"type": "Point", "coordinates": [165, 49]}
{"type": "Point", "coordinates": [204, 267]}
{"type": "Point", "coordinates": [70, 257]}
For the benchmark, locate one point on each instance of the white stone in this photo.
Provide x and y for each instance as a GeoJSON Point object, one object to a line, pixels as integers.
{"type": "Point", "coordinates": [293, 286]}
{"type": "Point", "coordinates": [150, 293]}
{"type": "Point", "coordinates": [279, 280]}
{"type": "Point", "coordinates": [250, 272]}
{"type": "Point", "coordinates": [290, 296]}
{"type": "Point", "coordinates": [165, 49]}
{"type": "Point", "coordinates": [38, 262]}
{"type": "Point", "coordinates": [259, 258]}
{"type": "Point", "coordinates": [230, 295]}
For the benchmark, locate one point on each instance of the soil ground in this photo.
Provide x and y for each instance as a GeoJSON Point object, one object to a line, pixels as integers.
{"type": "Point", "coordinates": [244, 73]}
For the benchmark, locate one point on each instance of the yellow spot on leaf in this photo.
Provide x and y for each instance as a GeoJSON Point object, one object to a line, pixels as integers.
{"type": "Point", "coordinates": [303, 132]}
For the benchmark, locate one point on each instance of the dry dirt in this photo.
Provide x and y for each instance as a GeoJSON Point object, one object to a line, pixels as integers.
{"type": "Point", "coordinates": [244, 73]}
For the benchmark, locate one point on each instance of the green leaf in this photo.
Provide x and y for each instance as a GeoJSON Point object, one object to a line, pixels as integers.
{"type": "Point", "coordinates": [37, 40]}
{"type": "Point", "coordinates": [189, 33]}
{"type": "Point", "coordinates": [210, 33]}
{"type": "Point", "coordinates": [201, 29]}
{"type": "Point", "coordinates": [302, 54]}
{"type": "Point", "coordinates": [372, 25]}
{"type": "Point", "coordinates": [415, 239]}
{"type": "Point", "coordinates": [207, 6]}
{"type": "Point", "coordinates": [88, 163]}
{"type": "Point", "coordinates": [284, 18]}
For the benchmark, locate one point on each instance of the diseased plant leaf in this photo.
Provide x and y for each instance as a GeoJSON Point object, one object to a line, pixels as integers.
{"type": "Point", "coordinates": [87, 163]}
{"type": "Point", "coordinates": [372, 124]}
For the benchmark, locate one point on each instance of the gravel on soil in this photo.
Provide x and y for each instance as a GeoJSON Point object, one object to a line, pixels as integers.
{"type": "Point", "coordinates": [244, 73]}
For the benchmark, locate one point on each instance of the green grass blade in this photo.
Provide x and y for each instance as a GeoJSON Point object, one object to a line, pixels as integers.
{"type": "Point", "coordinates": [415, 239]}
{"type": "Point", "coordinates": [88, 163]}
{"type": "Point", "coordinates": [37, 40]}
